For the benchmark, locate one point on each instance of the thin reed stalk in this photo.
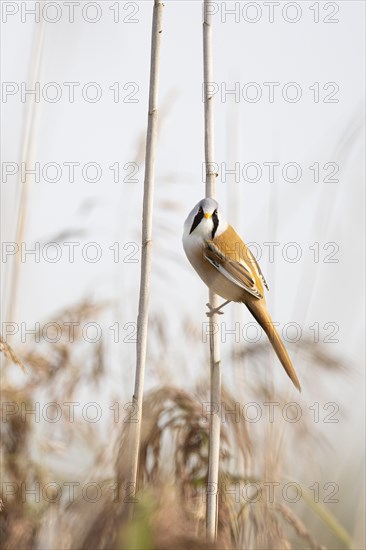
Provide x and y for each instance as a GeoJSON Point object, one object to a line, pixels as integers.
{"type": "Point", "coordinates": [143, 311]}
{"type": "Point", "coordinates": [215, 366]}
{"type": "Point", "coordinates": [27, 155]}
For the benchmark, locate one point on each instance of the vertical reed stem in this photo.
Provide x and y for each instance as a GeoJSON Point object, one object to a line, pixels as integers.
{"type": "Point", "coordinates": [27, 155]}
{"type": "Point", "coordinates": [143, 311]}
{"type": "Point", "coordinates": [215, 367]}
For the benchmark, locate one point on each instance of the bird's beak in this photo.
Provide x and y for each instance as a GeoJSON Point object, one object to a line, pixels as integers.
{"type": "Point", "coordinates": [207, 215]}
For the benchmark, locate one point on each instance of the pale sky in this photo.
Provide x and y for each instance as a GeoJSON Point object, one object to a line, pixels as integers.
{"type": "Point", "coordinates": [315, 71]}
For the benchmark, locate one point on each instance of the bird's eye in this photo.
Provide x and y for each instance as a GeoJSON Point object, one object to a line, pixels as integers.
{"type": "Point", "coordinates": [200, 209]}
{"type": "Point", "coordinates": [215, 212]}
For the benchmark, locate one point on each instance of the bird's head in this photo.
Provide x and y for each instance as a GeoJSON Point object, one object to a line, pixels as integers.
{"type": "Point", "coordinates": [205, 220]}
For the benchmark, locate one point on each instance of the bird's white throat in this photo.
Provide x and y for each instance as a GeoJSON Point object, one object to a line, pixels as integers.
{"type": "Point", "coordinates": [203, 232]}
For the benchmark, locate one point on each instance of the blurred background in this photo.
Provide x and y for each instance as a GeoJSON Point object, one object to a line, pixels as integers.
{"type": "Point", "coordinates": [289, 114]}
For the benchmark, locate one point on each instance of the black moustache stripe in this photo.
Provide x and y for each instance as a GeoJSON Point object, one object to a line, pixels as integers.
{"type": "Point", "coordinates": [197, 219]}
{"type": "Point", "coordinates": [215, 220]}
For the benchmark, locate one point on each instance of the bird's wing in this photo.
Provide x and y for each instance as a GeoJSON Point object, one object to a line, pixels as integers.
{"type": "Point", "coordinates": [256, 266]}
{"type": "Point", "coordinates": [236, 270]}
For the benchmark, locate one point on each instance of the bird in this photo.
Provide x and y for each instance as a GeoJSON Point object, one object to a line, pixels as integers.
{"type": "Point", "coordinates": [229, 269]}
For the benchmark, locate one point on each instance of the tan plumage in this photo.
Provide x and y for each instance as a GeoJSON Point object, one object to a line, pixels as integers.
{"type": "Point", "coordinates": [229, 269]}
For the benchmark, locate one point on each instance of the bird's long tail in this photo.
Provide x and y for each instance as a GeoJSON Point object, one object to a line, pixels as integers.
{"type": "Point", "coordinates": [261, 315]}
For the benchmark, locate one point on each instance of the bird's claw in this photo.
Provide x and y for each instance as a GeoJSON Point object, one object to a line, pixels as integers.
{"type": "Point", "coordinates": [213, 310]}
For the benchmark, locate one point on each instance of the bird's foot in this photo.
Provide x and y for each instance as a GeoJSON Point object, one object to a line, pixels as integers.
{"type": "Point", "coordinates": [213, 310]}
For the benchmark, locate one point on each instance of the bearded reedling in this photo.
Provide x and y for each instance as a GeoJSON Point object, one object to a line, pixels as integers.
{"type": "Point", "coordinates": [229, 269]}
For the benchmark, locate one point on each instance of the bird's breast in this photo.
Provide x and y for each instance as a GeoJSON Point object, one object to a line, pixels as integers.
{"type": "Point", "coordinates": [218, 283]}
